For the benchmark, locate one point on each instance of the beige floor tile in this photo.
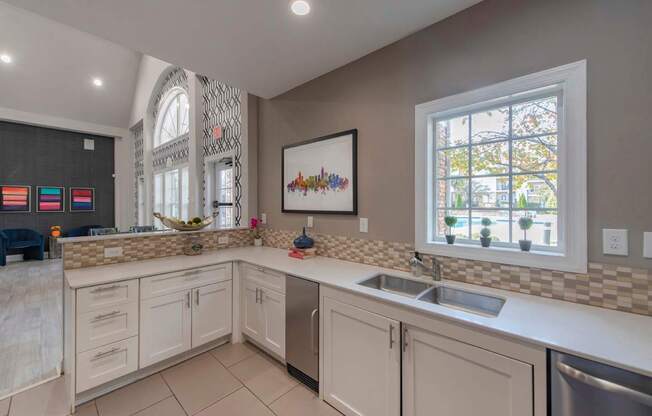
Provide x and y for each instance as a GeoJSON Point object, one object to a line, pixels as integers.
{"type": "Point", "coordinates": [86, 409]}
{"type": "Point", "coordinates": [240, 403]}
{"type": "Point", "coordinates": [230, 354]}
{"type": "Point", "coordinates": [134, 397]}
{"type": "Point", "coordinates": [49, 399]}
{"type": "Point", "coordinates": [168, 407]}
{"type": "Point", "coordinates": [200, 382]}
{"type": "Point", "coordinates": [4, 407]}
{"type": "Point", "coordinates": [301, 402]}
{"type": "Point", "coordinates": [265, 379]}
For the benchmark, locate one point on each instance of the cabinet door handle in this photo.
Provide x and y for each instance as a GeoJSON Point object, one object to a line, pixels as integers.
{"type": "Point", "coordinates": [105, 316]}
{"type": "Point", "coordinates": [106, 353]}
{"type": "Point", "coordinates": [405, 335]}
{"type": "Point", "coordinates": [188, 300]}
{"type": "Point", "coordinates": [105, 288]}
{"type": "Point", "coordinates": [197, 297]}
{"type": "Point", "coordinates": [261, 296]}
{"type": "Point", "coordinates": [315, 349]}
{"type": "Point", "coordinates": [391, 336]}
{"type": "Point", "coordinates": [256, 295]}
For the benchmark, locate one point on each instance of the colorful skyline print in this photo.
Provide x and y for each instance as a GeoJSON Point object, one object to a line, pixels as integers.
{"type": "Point", "coordinates": [14, 198]}
{"type": "Point", "coordinates": [82, 199]}
{"type": "Point", "coordinates": [50, 199]}
{"type": "Point", "coordinates": [323, 182]}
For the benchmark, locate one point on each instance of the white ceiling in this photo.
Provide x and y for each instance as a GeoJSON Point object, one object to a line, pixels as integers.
{"type": "Point", "coordinates": [53, 66]}
{"type": "Point", "coordinates": [257, 45]}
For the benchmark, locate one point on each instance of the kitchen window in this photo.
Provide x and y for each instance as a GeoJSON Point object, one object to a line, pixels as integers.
{"type": "Point", "coordinates": [511, 150]}
{"type": "Point", "coordinates": [173, 120]}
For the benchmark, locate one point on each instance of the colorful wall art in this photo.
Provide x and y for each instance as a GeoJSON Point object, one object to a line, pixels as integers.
{"type": "Point", "coordinates": [320, 175]}
{"type": "Point", "coordinates": [50, 199]}
{"type": "Point", "coordinates": [15, 198]}
{"type": "Point", "coordinates": [82, 199]}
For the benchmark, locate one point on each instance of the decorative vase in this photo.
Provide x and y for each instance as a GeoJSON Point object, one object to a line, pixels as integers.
{"type": "Point", "coordinates": [525, 245]}
{"type": "Point", "coordinates": [303, 241]}
{"type": "Point", "coordinates": [193, 245]}
{"type": "Point", "coordinates": [450, 239]}
{"type": "Point", "coordinates": [485, 241]}
{"type": "Point", "coordinates": [258, 242]}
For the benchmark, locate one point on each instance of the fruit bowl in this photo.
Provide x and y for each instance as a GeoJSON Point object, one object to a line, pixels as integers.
{"type": "Point", "coordinates": [177, 224]}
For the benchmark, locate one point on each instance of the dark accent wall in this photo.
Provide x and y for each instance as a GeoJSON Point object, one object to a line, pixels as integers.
{"type": "Point", "coordinates": [31, 155]}
{"type": "Point", "coordinates": [493, 41]}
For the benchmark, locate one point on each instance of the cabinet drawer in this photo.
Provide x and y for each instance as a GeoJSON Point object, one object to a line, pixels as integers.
{"type": "Point", "coordinates": [104, 326]}
{"type": "Point", "coordinates": [107, 363]}
{"type": "Point", "coordinates": [104, 296]}
{"type": "Point", "coordinates": [165, 284]}
{"type": "Point", "coordinates": [264, 277]}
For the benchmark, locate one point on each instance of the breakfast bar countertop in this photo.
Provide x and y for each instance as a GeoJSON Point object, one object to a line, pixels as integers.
{"type": "Point", "coordinates": [611, 337]}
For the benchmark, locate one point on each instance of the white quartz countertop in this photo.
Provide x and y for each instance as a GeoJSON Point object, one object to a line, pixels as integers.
{"type": "Point", "coordinates": [611, 337]}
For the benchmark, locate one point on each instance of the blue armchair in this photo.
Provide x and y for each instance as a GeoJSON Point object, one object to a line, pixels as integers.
{"type": "Point", "coordinates": [81, 231]}
{"type": "Point", "coordinates": [31, 243]}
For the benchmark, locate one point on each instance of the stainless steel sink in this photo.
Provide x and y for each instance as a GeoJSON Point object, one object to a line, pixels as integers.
{"type": "Point", "coordinates": [396, 285]}
{"type": "Point", "coordinates": [462, 299]}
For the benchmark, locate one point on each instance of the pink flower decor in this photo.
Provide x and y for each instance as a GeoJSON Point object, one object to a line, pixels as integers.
{"type": "Point", "coordinates": [253, 226]}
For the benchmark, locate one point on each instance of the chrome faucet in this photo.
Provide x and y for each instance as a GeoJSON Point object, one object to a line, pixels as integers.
{"type": "Point", "coordinates": [418, 266]}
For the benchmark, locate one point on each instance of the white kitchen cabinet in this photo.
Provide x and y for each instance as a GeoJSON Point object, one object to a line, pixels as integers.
{"type": "Point", "coordinates": [263, 314]}
{"type": "Point", "coordinates": [273, 305]}
{"type": "Point", "coordinates": [443, 376]}
{"type": "Point", "coordinates": [165, 327]}
{"type": "Point", "coordinates": [362, 361]}
{"type": "Point", "coordinates": [100, 365]}
{"type": "Point", "coordinates": [211, 313]}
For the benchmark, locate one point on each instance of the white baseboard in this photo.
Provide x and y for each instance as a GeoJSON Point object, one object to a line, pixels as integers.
{"type": "Point", "coordinates": [14, 258]}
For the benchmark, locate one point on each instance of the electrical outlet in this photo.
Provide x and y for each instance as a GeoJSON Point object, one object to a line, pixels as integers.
{"type": "Point", "coordinates": [614, 242]}
{"type": "Point", "coordinates": [263, 218]}
{"type": "Point", "coordinates": [647, 245]}
{"type": "Point", "coordinates": [364, 225]}
{"type": "Point", "coordinates": [113, 252]}
{"type": "Point", "coordinates": [310, 222]}
{"type": "Point", "coordinates": [223, 239]}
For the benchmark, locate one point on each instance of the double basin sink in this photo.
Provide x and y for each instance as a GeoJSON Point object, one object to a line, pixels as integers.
{"type": "Point", "coordinates": [437, 294]}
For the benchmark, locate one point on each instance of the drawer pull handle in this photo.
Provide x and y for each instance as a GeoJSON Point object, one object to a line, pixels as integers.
{"type": "Point", "coordinates": [105, 316]}
{"type": "Point", "coordinates": [106, 353]}
{"type": "Point", "coordinates": [105, 288]}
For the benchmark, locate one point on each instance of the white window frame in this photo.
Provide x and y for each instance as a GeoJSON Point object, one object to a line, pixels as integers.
{"type": "Point", "coordinates": [571, 255]}
{"type": "Point", "coordinates": [162, 111]}
{"type": "Point", "coordinates": [163, 173]}
{"type": "Point", "coordinates": [211, 181]}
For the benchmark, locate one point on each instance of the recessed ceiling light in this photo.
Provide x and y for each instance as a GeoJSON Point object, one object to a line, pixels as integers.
{"type": "Point", "coordinates": [300, 7]}
{"type": "Point", "coordinates": [98, 82]}
{"type": "Point", "coordinates": [5, 58]}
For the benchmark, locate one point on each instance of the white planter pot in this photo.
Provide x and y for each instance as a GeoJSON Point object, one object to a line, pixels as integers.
{"type": "Point", "coordinates": [258, 242]}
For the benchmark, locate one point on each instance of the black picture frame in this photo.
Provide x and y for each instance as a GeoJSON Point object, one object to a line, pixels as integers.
{"type": "Point", "coordinates": [354, 180]}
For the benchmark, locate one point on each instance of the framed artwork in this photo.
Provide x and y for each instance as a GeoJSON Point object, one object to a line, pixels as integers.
{"type": "Point", "coordinates": [15, 198]}
{"type": "Point", "coordinates": [320, 175]}
{"type": "Point", "coordinates": [82, 199]}
{"type": "Point", "coordinates": [50, 199]}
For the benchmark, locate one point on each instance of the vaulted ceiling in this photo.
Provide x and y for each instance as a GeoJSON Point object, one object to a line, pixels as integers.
{"type": "Point", "coordinates": [257, 45]}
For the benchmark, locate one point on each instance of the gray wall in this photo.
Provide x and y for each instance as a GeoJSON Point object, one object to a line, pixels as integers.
{"type": "Point", "coordinates": [35, 156]}
{"type": "Point", "coordinates": [493, 41]}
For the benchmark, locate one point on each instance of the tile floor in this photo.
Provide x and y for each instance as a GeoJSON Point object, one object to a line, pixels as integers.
{"type": "Point", "coordinates": [231, 380]}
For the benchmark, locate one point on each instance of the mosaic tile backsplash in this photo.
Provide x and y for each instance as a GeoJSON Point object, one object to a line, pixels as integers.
{"type": "Point", "coordinates": [614, 287]}
{"type": "Point", "coordinates": [607, 286]}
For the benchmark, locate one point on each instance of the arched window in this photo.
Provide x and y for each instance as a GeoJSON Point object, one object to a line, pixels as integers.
{"type": "Point", "coordinates": [173, 117]}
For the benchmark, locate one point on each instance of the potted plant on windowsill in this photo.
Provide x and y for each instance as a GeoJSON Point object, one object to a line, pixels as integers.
{"type": "Point", "coordinates": [254, 227]}
{"type": "Point", "coordinates": [485, 232]}
{"type": "Point", "coordinates": [525, 223]}
{"type": "Point", "coordinates": [450, 222]}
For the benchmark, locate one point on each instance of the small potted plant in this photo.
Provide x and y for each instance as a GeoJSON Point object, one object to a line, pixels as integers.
{"type": "Point", "coordinates": [525, 223]}
{"type": "Point", "coordinates": [254, 227]}
{"type": "Point", "coordinates": [485, 232]}
{"type": "Point", "coordinates": [450, 222]}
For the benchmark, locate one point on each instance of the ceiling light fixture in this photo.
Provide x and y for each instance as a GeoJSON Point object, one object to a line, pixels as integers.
{"type": "Point", "coordinates": [98, 82]}
{"type": "Point", "coordinates": [5, 58]}
{"type": "Point", "coordinates": [300, 7]}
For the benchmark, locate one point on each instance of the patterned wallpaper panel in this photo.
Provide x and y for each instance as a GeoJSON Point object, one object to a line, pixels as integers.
{"type": "Point", "coordinates": [222, 107]}
{"type": "Point", "coordinates": [175, 78]}
{"type": "Point", "coordinates": [171, 153]}
{"type": "Point", "coordinates": [139, 168]}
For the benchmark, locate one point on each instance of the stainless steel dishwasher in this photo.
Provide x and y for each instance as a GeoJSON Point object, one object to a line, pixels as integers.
{"type": "Point", "coordinates": [580, 387]}
{"type": "Point", "coordinates": [302, 330]}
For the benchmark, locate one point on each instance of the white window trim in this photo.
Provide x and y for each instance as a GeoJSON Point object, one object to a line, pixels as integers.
{"type": "Point", "coordinates": [572, 207]}
{"type": "Point", "coordinates": [164, 104]}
